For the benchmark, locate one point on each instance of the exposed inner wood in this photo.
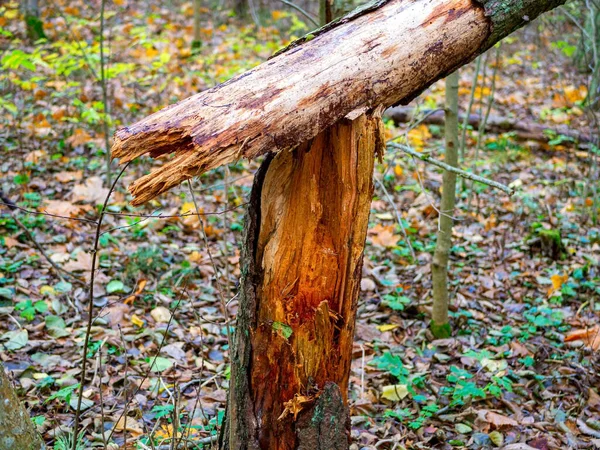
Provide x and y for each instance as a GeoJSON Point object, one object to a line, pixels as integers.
{"type": "Point", "coordinates": [385, 56]}
{"type": "Point", "coordinates": [314, 211]}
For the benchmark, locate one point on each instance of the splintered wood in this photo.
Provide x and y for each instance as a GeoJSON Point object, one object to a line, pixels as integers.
{"type": "Point", "coordinates": [300, 292]}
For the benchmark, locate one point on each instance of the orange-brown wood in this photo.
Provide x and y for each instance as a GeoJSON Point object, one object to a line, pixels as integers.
{"type": "Point", "coordinates": [314, 210]}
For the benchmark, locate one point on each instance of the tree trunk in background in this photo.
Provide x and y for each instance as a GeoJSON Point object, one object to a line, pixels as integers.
{"type": "Point", "coordinates": [17, 431]}
{"type": "Point", "coordinates": [197, 41]}
{"type": "Point", "coordinates": [35, 26]}
{"type": "Point", "coordinates": [440, 326]}
{"type": "Point", "coordinates": [332, 9]}
{"type": "Point", "coordinates": [240, 7]}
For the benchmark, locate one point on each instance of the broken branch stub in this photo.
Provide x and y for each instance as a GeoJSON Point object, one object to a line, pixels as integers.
{"type": "Point", "coordinates": [385, 55]}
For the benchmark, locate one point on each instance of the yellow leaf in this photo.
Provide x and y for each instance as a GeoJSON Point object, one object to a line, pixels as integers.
{"type": "Point", "coordinates": [137, 321]}
{"type": "Point", "coordinates": [398, 171]}
{"type": "Point", "coordinates": [278, 15]}
{"type": "Point", "coordinates": [394, 392]}
{"type": "Point", "coordinates": [47, 290]}
{"type": "Point", "coordinates": [195, 256]}
{"type": "Point", "coordinates": [387, 327]}
{"type": "Point", "coordinates": [11, 14]}
{"type": "Point", "coordinates": [151, 52]}
{"type": "Point", "coordinates": [418, 136]}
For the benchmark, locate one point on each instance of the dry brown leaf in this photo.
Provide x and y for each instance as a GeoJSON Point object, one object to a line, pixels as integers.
{"type": "Point", "coordinates": [83, 263]}
{"type": "Point", "coordinates": [498, 420]}
{"type": "Point", "coordinates": [65, 176]}
{"type": "Point", "coordinates": [383, 236]}
{"type": "Point", "coordinates": [35, 156]}
{"type": "Point", "coordinates": [519, 350]}
{"type": "Point", "coordinates": [79, 137]}
{"type": "Point", "coordinates": [11, 242]}
{"type": "Point", "coordinates": [61, 208]}
{"type": "Point", "coordinates": [129, 424]}
{"type": "Point", "coordinates": [593, 399]}
{"type": "Point", "coordinates": [590, 336]}
{"type": "Point", "coordinates": [91, 192]}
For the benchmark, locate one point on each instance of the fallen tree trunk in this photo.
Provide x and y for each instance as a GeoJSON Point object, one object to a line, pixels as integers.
{"type": "Point", "coordinates": [523, 130]}
{"type": "Point", "coordinates": [384, 54]}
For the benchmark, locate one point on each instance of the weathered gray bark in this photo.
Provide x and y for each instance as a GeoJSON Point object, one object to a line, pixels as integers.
{"type": "Point", "coordinates": [440, 326]}
{"type": "Point", "coordinates": [392, 50]}
{"type": "Point", "coordinates": [17, 431]}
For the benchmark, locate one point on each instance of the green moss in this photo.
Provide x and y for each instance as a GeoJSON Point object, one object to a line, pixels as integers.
{"type": "Point", "coordinates": [440, 331]}
{"type": "Point", "coordinates": [35, 28]}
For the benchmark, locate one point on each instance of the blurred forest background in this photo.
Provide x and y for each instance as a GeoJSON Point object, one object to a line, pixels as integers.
{"type": "Point", "coordinates": [520, 370]}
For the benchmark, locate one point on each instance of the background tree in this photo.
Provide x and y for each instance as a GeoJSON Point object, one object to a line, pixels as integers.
{"type": "Point", "coordinates": [440, 326]}
{"type": "Point", "coordinates": [35, 26]}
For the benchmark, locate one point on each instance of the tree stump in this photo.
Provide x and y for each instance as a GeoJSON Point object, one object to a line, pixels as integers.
{"type": "Point", "coordinates": [301, 271]}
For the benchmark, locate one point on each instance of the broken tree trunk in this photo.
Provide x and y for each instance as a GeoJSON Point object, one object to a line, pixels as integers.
{"type": "Point", "coordinates": [301, 270]}
{"type": "Point", "coordinates": [383, 54]}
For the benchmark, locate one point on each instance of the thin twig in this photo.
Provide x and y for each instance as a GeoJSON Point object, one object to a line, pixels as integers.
{"type": "Point", "coordinates": [91, 305]}
{"type": "Point", "coordinates": [42, 213]}
{"type": "Point", "coordinates": [398, 217]}
{"type": "Point", "coordinates": [462, 173]}
{"type": "Point", "coordinates": [59, 270]}
{"type": "Point", "coordinates": [214, 265]}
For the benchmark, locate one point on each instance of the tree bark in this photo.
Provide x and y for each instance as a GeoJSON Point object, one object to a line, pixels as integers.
{"type": "Point", "coordinates": [301, 271]}
{"type": "Point", "coordinates": [17, 431]}
{"type": "Point", "coordinates": [392, 50]}
{"type": "Point", "coordinates": [197, 40]}
{"type": "Point", "coordinates": [440, 326]}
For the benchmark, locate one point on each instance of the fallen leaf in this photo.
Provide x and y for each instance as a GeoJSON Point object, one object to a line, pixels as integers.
{"type": "Point", "coordinates": [383, 236]}
{"type": "Point", "coordinates": [161, 314]}
{"type": "Point", "coordinates": [83, 263]}
{"type": "Point", "coordinates": [65, 177]}
{"type": "Point", "coordinates": [90, 192]}
{"type": "Point", "coordinates": [593, 399]}
{"type": "Point", "coordinates": [498, 420]}
{"type": "Point", "coordinates": [141, 284]}
{"type": "Point", "coordinates": [61, 208]}
{"type": "Point", "coordinates": [519, 350]}
{"type": "Point", "coordinates": [129, 424]}
{"type": "Point", "coordinates": [394, 392]}
{"type": "Point", "coordinates": [79, 137]}
{"type": "Point", "coordinates": [590, 336]}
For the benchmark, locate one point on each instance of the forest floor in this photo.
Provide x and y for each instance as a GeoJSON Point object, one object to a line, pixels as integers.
{"type": "Point", "coordinates": [524, 269]}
